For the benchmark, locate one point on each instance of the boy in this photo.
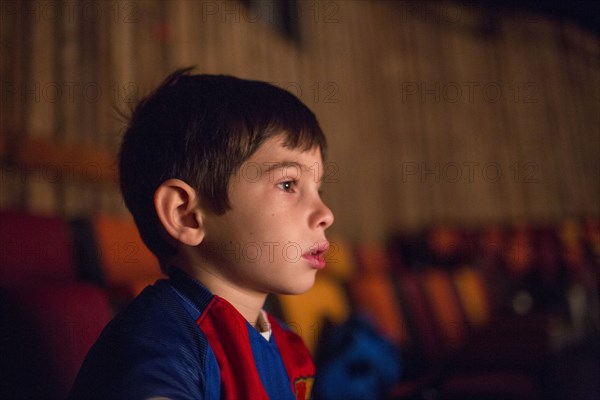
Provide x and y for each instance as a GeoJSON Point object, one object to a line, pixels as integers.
{"type": "Point", "coordinates": [222, 177]}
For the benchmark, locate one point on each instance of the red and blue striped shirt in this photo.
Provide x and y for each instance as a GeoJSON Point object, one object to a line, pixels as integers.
{"type": "Point", "coordinates": [177, 340]}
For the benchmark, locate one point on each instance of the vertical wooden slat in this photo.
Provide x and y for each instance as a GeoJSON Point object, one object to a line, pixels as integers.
{"type": "Point", "coordinates": [41, 93]}
{"type": "Point", "coordinates": [403, 110]}
{"type": "Point", "coordinates": [580, 52]}
{"type": "Point", "coordinates": [72, 104]}
{"type": "Point", "coordinates": [12, 37]}
{"type": "Point", "coordinates": [514, 149]}
{"type": "Point", "coordinates": [181, 24]}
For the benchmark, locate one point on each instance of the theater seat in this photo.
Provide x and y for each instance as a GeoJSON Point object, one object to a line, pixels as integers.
{"type": "Point", "coordinates": [34, 248]}
{"type": "Point", "coordinates": [473, 295]}
{"type": "Point", "coordinates": [446, 309]}
{"type": "Point", "coordinates": [127, 265]}
{"type": "Point", "coordinates": [48, 320]}
{"type": "Point", "coordinates": [47, 329]}
{"type": "Point", "coordinates": [375, 294]}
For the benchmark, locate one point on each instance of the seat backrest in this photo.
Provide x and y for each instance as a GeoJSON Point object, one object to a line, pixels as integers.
{"type": "Point", "coordinates": [421, 322]}
{"type": "Point", "coordinates": [592, 237]}
{"type": "Point", "coordinates": [472, 292]}
{"type": "Point", "coordinates": [571, 235]}
{"type": "Point", "coordinates": [52, 327]}
{"type": "Point", "coordinates": [48, 320]}
{"type": "Point", "coordinates": [421, 318]}
{"type": "Point", "coordinates": [34, 248]}
{"type": "Point", "coordinates": [308, 314]}
{"type": "Point", "coordinates": [125, 260]}
{"type": "Point", "coordinates": [374, 293]}
{"type": "Point", "coordinates": [447, 311]}
{"type": "Point", "coordinates": [372, 258]}
{"type": "Point", "coordinates": [519, 253]}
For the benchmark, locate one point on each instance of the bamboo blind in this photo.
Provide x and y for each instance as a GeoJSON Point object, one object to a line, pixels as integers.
{"type": "Point", "coordinates": [435, 112]}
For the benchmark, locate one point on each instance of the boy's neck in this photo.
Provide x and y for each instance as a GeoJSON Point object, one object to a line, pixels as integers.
{"type": "Point", "coordinates": [248, 304]}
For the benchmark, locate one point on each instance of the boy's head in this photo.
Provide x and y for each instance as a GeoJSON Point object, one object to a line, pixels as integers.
{"type": "Point", "coordinates": [200, 129]}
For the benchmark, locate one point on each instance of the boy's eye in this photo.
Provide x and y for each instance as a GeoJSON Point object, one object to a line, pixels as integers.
{"type": "Point", "coordinates": [287, 186]}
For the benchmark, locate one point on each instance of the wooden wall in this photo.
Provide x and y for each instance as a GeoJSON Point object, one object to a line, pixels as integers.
{"type": "Point", "coordinates": [435, 112]}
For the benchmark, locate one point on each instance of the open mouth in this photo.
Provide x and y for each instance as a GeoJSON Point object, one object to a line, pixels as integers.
{"type": "Point", "coordinates": [316, 255]}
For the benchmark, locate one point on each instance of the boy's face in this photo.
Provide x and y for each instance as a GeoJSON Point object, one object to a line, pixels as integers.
{"type": "Point", "coordinates": [272, 239]}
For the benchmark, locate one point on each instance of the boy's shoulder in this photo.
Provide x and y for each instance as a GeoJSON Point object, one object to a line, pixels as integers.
{"type": "Point", "coordinates": [153, 340]}
{"type": "Point", "coordinates": [157, 313]}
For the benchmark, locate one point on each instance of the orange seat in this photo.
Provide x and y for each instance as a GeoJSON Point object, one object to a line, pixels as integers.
{"type": "Point", "coordinates": [447, 312]}
{"type": "Point", "coordinates": [307, 314]}
{"type": "Point", "coordinates": [374, 294]}
{"type": "Point", "coordinates": [372, 258]}
{"type": "Point", "coordinates": [472, 292]}
{"type": "Point", "coordinates": [127, 264]}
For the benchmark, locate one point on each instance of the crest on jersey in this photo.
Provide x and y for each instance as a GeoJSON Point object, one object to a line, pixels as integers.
{"type": "Point", "coordinates": [303, 387]}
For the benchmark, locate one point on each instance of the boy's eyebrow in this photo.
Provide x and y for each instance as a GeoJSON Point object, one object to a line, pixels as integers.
{"type": "Point", "coordinates": [302, 168]}
{"type": "Point", "coordinates": [272, 166]}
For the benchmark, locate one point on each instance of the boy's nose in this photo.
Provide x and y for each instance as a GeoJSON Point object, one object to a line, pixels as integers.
{"type": "Point", "coordinates": [323, 217]}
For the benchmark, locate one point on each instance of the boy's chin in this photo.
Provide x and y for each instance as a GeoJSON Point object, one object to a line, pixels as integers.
{"type": "Point", "coordinates": [298, 288]}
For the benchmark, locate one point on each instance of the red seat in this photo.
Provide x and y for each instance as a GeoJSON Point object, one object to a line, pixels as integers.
{"type": "Point", "coordinates": [48, 320]}
{"type": "Point", "coordinates": [52, 327]}
{"type": "Point", "coordinates": [34, 248]}
{"type": "Point", "coordinates": [420, 315]}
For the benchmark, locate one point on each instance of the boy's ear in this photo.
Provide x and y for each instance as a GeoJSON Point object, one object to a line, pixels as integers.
{"type": "Point", "coordinates": [176, 205]}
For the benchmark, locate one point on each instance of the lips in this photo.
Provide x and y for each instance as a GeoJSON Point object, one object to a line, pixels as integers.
{"type": "Point", "coordinates": [316, 255]}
